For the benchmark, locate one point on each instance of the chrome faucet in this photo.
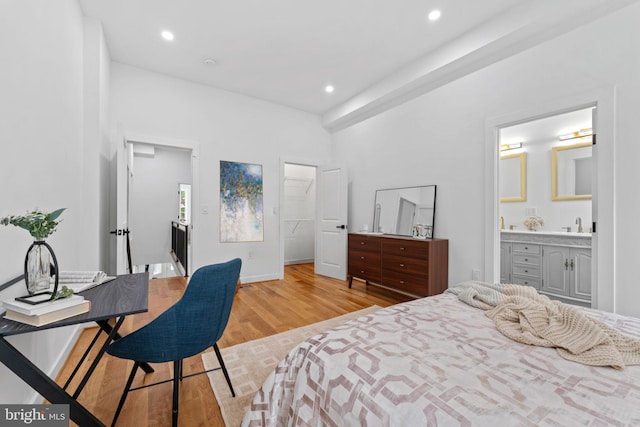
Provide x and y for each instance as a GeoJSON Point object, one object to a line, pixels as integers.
{"type": "Point", "coordinates": [579, 222]}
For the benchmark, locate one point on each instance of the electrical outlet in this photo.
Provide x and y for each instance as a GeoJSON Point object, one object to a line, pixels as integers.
{"type": "Point", "coordinates": [251, 255]}
{"type": "Point", "coordinates": [475, 274]}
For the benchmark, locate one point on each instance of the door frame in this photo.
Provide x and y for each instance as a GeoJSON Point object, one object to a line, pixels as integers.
{"type": "Point", "coordinates": [194, 147]}
{"type": "Point", "coordinates": [602, 242]}
{"type": "Point", "coordinates": [292, 161]}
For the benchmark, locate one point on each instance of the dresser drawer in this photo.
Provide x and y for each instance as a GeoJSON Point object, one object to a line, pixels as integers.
{"type": "Point", "coordinates": [406, 248]}
{"type": "Point", "coordinates": [413, 266]}
{"type": "Point", "coordinates": [527, 260]}
{"type": "Point", "coordinates": [361, 242]}
{"type": "Point", "coordinates": [364, 256]}
{"type": "Point", "coordinates": [365, 271]}
{"type": "Point", "coordinates": [527, 281]}
{"type": "Point", "coordinates": [526, 248]}
{"type": "Point", "coordinates": [416, 285]}
{"type": "Point", "coordinates": [525, 270]}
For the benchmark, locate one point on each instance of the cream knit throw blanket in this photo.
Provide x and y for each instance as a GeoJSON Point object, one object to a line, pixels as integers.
{"type": "Point", "coordinates": [524, 315]}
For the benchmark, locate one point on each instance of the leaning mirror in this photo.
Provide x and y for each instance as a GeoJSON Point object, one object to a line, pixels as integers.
{"type": "Point", "coordinates": [571, 172]}
{"type": "Point", "coordinates": [513, 177]}
{"type": "Point", "coordinates": [407, 211]}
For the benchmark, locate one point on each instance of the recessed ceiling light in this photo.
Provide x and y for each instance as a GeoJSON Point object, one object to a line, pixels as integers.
{"type": "Point", "coordinates": [167, 35]}
{"type": "Point", "coordinates": [434, 15]}
{"type": "Point", "coordinates": [328, 88]}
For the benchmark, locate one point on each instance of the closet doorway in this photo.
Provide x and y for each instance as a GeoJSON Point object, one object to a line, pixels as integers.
{"type": "Point", "coordinates": [299, 213]}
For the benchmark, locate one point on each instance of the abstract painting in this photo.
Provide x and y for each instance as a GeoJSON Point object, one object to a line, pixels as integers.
{"type": "Point", "coordinates": [241, 217]}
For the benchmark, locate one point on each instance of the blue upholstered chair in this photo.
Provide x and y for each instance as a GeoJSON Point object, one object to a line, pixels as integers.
{"type": "Point", "coordinates": [190, 326]}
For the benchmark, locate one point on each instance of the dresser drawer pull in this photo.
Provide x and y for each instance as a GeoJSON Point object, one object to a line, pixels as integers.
{"type": "Point", "coordinates": [402, 282]}
{"type": "Point", "coordinates": [361, 271]}
{"type": "Point", "coordinates": [526, 248]}
{"type": "Point", "coordinates": [401, 265]}
{"type": "Point", "coordinates": [363, 243]}
{"type": "Point", "coordinates": [526, 260]}
{"type": "Point", "coordinates": [402, 249]}
{"type": "Point", "coordinates": [361, 257]}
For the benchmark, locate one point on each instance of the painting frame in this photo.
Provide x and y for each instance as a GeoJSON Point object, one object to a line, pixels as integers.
{"type": "Point", "coordinates": [241, 202]}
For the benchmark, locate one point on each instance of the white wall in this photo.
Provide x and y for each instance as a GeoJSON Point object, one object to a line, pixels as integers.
{"type": "Point", "coordinates": [439, 139]}
{"type": "Point", "coordinates": [228, 127]}
{"type": "Point", "coordinates": [46, 161]}
{"type": "Point", "coordinates": [154, 202]}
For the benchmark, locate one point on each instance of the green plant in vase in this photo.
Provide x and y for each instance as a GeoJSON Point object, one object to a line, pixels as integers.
{"type": "Point", "coordinates": [37, 264]}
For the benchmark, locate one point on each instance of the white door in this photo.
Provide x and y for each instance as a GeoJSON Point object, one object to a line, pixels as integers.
{"type": "Point", "coordinates": [331, 234]}
{"type": "Point", "coordinates": [123, 189]}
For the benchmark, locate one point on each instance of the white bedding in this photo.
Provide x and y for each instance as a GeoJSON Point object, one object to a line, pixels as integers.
{"type": "Point", "coordinates": [438, 361]}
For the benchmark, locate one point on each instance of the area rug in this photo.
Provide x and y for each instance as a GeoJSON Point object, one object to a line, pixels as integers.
{"type": "Point", "coordinates": [250, 363]}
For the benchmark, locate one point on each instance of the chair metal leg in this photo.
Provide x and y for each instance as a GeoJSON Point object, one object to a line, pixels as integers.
{"type": "Point", "coordinates": [224, 368]}
{"type": "Point", "coordinates": [177, 374]}
{"type": "Point", "coordinates": [136, 365]}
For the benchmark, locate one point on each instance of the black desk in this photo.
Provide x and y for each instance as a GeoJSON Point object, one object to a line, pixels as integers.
{"type": "Point", "coordinates": [127, 294]}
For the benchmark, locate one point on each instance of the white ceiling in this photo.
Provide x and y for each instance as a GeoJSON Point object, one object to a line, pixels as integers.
{"type": "Point", "coordinates": [287, 51]}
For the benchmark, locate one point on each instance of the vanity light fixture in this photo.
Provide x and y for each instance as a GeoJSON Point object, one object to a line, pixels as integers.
{"type": "Point", "coordinates": [582, 133]}
{"type": "Point", "coordinates": [512, 146]}
{"type": "Point", "coordinates": [167, 35]}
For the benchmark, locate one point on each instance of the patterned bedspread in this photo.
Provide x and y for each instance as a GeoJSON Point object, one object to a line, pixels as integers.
{"type": "Point", "coordinates": [439, 362]}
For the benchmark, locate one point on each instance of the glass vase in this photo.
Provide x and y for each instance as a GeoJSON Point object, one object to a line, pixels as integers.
{"type": "Point", "coordinates": [37, 267]}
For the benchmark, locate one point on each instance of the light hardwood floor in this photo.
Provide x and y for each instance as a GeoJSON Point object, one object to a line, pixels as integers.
{"type": "Point", "coordinates": [259, 309]}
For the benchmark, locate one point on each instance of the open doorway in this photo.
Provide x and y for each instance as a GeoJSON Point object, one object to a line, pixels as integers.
{"type": "Point", "coordinates": [299, 213]}
{"type": "Point", "coordinates": [161, 175]}
{"type": "Point", "coordinates": [545, 186]}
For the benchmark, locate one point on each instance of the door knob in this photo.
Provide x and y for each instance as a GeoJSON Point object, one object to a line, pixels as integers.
{"type": "Point", "coordinates": [342, 226]}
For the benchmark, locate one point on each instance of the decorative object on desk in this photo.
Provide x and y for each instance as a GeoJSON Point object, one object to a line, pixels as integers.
{"type": "Point", "coordinates": [37, 262]}
{"type": "Point", "coordinates": [47, 305]}
{"type": "Point", "coordinates": [533, 223]}
{"type": "Point", "coordinates": [241, 210]}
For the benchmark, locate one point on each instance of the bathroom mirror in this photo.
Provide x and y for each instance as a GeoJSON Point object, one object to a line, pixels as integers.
{"type": "Point", "coordinates": [398, 210]}
{"type": "Point", "coordinates": [571, 172]}
{"type": "Point", "coordinates": [513, 177]}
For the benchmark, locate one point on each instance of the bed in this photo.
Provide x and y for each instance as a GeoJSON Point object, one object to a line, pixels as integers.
{"type": "Point", "coordinates": [441, 361]}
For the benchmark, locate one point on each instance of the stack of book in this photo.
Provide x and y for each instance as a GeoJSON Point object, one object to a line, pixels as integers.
{"type": "Point", "coordinates": [47, 312]}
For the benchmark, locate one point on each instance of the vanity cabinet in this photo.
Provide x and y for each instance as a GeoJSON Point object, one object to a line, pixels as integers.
{"type": "Point", "coordinates": [557, 265]}
{"type": "Point", "coordinates": [567, 272]}
{"type": "Point", "coordinates": [417, 267]}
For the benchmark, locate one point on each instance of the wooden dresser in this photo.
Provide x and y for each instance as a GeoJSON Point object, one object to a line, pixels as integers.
{"type": "Point", "coordinates": [412, 266]}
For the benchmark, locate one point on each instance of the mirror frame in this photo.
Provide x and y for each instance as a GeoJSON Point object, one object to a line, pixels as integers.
{"type": "Point", "coordinates": [433, 220]}
{"type": "Point", "coordinates": [523, 177]}
{"type": "Point", "coordinates": [554, 172]}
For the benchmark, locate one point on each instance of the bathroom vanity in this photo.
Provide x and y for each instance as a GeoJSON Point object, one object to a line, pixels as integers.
{"type": "Point", "coordinates": [558, 264]}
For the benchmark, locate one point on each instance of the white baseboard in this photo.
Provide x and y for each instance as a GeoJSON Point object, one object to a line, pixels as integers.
{"type": "Point", "coordinates": [298, 261]}
{"type": "Point", "coordinates": [258, 278]}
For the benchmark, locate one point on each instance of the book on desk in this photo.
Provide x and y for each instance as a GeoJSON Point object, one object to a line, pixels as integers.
{"type": "Point", "coordinates": [79, 281]}
{"type": "Point", "coordinates": [49, 317]}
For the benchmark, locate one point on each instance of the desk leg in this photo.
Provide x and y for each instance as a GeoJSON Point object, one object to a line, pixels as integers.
{"type": "Point", "coordinates": [105, 326]}
{"type": "Point", "coordinates": [111, 334]}
{"type": "Point", "coordinates": [40, 382]}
